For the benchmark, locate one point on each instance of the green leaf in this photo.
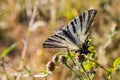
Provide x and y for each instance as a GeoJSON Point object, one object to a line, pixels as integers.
{"type": "Point", "coordinates": [7, 51]}
{"type": "Point", "coordinates": [92, 49]}
{"type": "Point", "coordinates": [88, 65]}
{"type": "Point", "coordinates": [72, 55]}
{"type": "Point", "coordinates": [110, 71]}
{"type": "Point", "coordinates": [116, 62]}
{"type": "Point", "coordinates": [90, 41]}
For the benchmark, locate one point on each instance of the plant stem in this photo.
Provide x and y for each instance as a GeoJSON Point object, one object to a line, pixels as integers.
{"type": "Point", "coordinates": [4, 69]}
{"type": "Point", "coordinates": [99, 65]}
{"type": "Point", "coordinates": [70, 56]}
{"type": "Point", "coordinates": [111, 77]}
{"type": "Point", "coordinates": [85, 71]}
{"type": "Point", "coordinates": [78, 75]}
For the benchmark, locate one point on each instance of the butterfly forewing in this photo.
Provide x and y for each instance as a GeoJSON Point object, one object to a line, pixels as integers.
{"type": "Point", "coordinates": [59, 41]}
{"type": "Point", "coordinates": [90, 14]}
{"type": "Point", "coordinates": [74, 34]}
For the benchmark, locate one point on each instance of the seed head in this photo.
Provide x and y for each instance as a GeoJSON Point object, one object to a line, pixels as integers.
{"type": "Point", "coordinates": [63, 59]}
{"type": "Point", "coordinates": [55, 59]}
{"type": "Point", "coordinates": [50, 66]}
{"type": "Point", "coordinates": [80, 57]}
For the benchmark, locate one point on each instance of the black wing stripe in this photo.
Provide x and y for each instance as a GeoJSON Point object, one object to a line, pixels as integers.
{"type": "Point", "coordinates": [81, 21]}
{"type": "Point", "coordinates": [64, 37]}
{"type": "Point", "coordinates": [92, 14]}
{"type": "Point", "coordinates": [69, 36]}
{"type": "Point", "coordinates": [59, 36]}
{"type": "Point", "coordinates": [88, 17]}
{"type": "Point", "coordinates": [70, 30]}
{"type": "Point", "coordinates": [73, 27]}
{"type": "Point", "coordinates": [53, 40]}
{"type": "Point", "coordinates": [83, 16]}
{"type": "Point", "coordinates": [53, 45]}
{"type": "Point", "coordinates": [75, 21]}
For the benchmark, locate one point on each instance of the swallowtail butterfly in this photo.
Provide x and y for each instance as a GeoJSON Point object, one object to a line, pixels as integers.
{"type": "Point", "coordinates": [74, 35]}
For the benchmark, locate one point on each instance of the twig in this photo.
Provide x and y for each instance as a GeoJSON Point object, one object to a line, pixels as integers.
{"type": "Point", "coordinates": [4, 69]}
{"type": "Point", "coordinates": [26, 42]}
{"type": "Point", "coordinates": [101, 50]}
{"type": "Point", "coordinates": [33, 14]}
{"type": "Point", "coordinates": [52, 11]}
{"type": "Point", "coordinates": [99, 65]}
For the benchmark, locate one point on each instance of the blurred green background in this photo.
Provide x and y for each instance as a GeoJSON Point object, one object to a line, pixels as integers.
{"type": "Point", "coordinates": [16, 25]}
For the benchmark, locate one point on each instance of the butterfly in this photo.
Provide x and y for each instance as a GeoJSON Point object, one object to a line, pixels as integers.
{"type": "Point", "coordinates": [74, 35]}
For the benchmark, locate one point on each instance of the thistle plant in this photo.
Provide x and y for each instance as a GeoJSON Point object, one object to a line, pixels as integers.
{"type": "Point", "coordinates": [84, 65]}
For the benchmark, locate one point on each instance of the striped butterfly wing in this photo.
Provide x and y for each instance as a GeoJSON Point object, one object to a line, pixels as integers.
{"type": "Point", "coordinates": [62, 39]}
{"type": "Point", "coordinates": [74, 34]}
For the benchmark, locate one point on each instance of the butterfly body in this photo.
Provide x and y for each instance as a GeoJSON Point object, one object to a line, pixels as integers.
{"type": "Point", "coordinates": [74, 36]}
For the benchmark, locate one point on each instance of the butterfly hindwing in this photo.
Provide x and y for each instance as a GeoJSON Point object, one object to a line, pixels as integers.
{"type": "Point", "coordinates": [74, 34]}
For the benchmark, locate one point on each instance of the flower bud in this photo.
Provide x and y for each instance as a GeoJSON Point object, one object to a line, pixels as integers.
{"type": "Point", "coordinates": [80, 57]}
{"type": "Point", "coordinates": [50, 66]}
{"type": "Point", "coordinates": [63, 59]}
{"type": "Point", "coordinates": [55, 59]}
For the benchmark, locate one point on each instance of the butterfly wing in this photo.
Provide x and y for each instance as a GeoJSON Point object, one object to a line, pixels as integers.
{"type": "Point", "coordinates": [61, 39]}
{"type": "Point", "coordinates": [79, 26]}
{"type": "Point", "coordinates": [74, 34]}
